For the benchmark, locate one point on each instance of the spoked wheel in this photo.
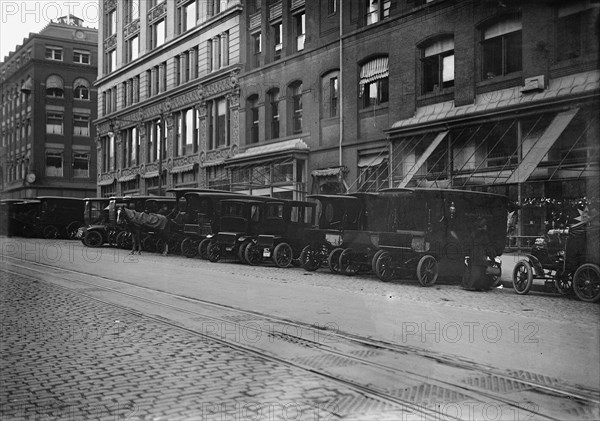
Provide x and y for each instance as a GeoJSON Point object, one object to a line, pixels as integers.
{"type": "Point", "coordinates": [563, 283]}
{"type": "Point", "coordinates": [150, 244]}
{"type": "Point", "coordinates": [427, 270]}
{"type": "Point", "coordinates": [282, 255]}
{"type": "Point", "coordinates": [189, 247]}
{"type": "Point", "coordinates": [253, 254]}
{"type": "Point", "coordinates": [174, 243]}
{"type": "Point", "coordinates": [93, 239]}
{"type": "Point", "coordinates": [50, 232]}
{"type": "Point", "coordinates": [203, 248]}
{"type": "Point", "coordinates": [160, 245]}
{"type": "Point", "coordinates": [72, 229]}
{"type": "Point", "coordinates": [124, 240]}
{"type": "Point", "coordinates": [347, 265]}
{"type": "Point", "coordinates": [334, 260]}
{"type": "Point", "coordinates": [242, 251]}
{"type": "Point", "coordinates": [522, 277]}
{"type": "Point", "coordinates": [214, 252]}
{"type": "Point", "coordinates": [384, 267]}
{"type": "Point", "coordinates": [310, 259]}
{"type": "Point", "coordinates": [586, 282]}
{"type": "Point", "coordinates": [374, 259]}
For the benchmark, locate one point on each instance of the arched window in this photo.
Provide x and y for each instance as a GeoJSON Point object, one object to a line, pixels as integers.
{"type": "Point", "coordinates": [374, 82]}
{"type": "Point", "coordinates": [54, 86]}
{"type": "Point", "coordinates": [273, 113]}
{"type": "Point", "coordinates": [81, 89]}
{"type": "Point", "coordinates": [501, 48]}
{"type": "Point", "coordinates": [253, 118]}
{"type": "Point", "coordinates": [296, 106]}
{"type": "Point", "coordinates": [437, 64]}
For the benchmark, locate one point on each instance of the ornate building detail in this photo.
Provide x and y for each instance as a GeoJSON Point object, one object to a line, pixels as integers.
{"type": "Point", "coordinates": [110, 42]}
{"type": "Point", "coordinates": [110, 4]}
{"type": "Point", "coordinates": [217, 155]}
{"type": "Point", "coordinates": [131, 28]}
{"type": "Point", "coordinates": [157, 12]}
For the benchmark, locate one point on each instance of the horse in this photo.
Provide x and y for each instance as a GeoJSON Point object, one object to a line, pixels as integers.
{"type": "Point", "coordinates": [141, 221]}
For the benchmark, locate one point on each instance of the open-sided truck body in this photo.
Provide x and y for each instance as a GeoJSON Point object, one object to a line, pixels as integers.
{"type": "Point", "coordinates": [59, 216]}
{"type": "Point", "coordinates": [282, 232]}
{"type": "Point", "coordinates": [430, 229]}
{"type": "Point", "coordinates": [201, 219]}
{"type": "Point", "coordinates": [239, 223]}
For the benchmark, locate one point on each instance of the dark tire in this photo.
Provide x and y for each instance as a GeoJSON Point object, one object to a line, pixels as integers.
{"type": "Point", "coordinates": [333, 261]}
{"type": "Point", "coordinates": [347, 266]}
{"type": "Point", "coordinates": [124, 240]}
{"type": "Point", "coordinates": [149, 244]}
{"type": "Point", "coordinates": [427, 270]}
{"type": "Point", "coordinates": [189, 247]}
{"type": "Point", "coordinates": [214, 252]}
{"type": "Point", "coordinates": [522, 277]}
{"type": "Point", "coordinates": [309, 259]}
{"type": "Point", "coordinates": [242, 251]}
{"type": "Point", "coordinates": [384, 267]}
{"type": "Point", "coordinates": [72, 229]}
{"type": "Point", "coordinates": [50, 232]}
{"type": "Point", "coordinates": [93, 239]}
{"type": "Point", "coordinates": [253, 255]}
{"type": "Point", "coordinates": [563, 284]}
{"type": "Point", "coordinates": [283, 255]}
{"type": "Point", "coordinates": [203, 248]}
{"type": "Point", "coordinates": [374, 259]}
{"type": "Point", "coordinates": [586, 282]}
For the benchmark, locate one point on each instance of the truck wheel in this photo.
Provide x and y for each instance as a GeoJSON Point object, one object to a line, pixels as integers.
{"type": "Point", "coordinates": [427, 270]}
{"type": "Point", "coordinates": [309, 259]}
{"type": "Point", "coordinates": [384, 267]}
{"type": "Point", "coordinates": [334, 260]}
{"type": "Point", "coordinates": [203, 248]}
{"type": "Point", "coordinates": [253, 254]}
{"type": "Point", "coordinates": [522, 277]}
{"type": "Point", "coordinates": [586, 282]}
{"type": "Point", "coordinates": [347, 266]}
{"type": "Point", "coordinates": [93, 239]}
{"type": "Point", "coordinates": [282, 255]}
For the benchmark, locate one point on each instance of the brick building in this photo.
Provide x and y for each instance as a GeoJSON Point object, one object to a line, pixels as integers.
{"type": "Point", "coordinates": [48, 105]}
{"type": "Point", "coordinates": [168, 94]}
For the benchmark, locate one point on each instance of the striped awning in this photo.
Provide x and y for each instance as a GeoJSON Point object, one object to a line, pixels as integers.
{"type": "Point", "coordinates": [54, 81]}
{"type": "Point", "coordinates": [106, 182]}
{"type": "Point", "coordinates": [150, 174]}
{"type": "Point", "coordinates": [183, 168]}
{"type": "Point", "coordinates": [81, 82]}
{"type": "Point", "coordinates": [128, 177]}
{"type": "Point", "coordinates": [374, 70]}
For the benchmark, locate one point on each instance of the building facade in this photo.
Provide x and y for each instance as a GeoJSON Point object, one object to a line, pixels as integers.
{"type": "Point", "coordinates": [168, 94]}
{"type": "Point", "coordinates": [48, 105]}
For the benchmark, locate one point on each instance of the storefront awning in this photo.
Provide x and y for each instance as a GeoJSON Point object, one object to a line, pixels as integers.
{"type": "Point", "coordinates": [270, 150]}
{"type": "Point", "coordinates": [106, 182]}
{"type": "Point", "coordinates": [127, 178]}
{"type": "Point", "coordinates": [423, 158]}
{"type": "Point", "coordinates": [371, 161]}
{"type": "Point", "coordinates": [150, 174]}
{"type": "Point", "coordinates": [327, 172]}
{"type": "Point", "coordinates": [183, 168]}
{"type": "Point", "coordinates": [541, 147]}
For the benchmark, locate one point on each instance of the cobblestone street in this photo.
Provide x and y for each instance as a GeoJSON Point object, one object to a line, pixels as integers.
{"type": "Point", "coordinates": [64, 357]}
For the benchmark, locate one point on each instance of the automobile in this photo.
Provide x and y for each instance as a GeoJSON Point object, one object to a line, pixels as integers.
{"type": "Point", "coordinates": [430, 231]}
{"type": "Point", "coordinates": [58, 217]}
{"type": "Point", "coordinates": [569, 258]}
{"type": "Point", "coordinates": [282, 229]}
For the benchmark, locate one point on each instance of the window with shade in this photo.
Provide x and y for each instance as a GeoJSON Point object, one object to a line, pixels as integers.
{"type": "Point", "coordinates": [81, 165]}
{"type": "Point", "coordinates": [54, 87]}
{"type": "Point", "coordinates": [501, 48]}
{"type": "Point", "coordinates": [576, 33]}
{"type": "Point", "coordinates": [253, 118]}
{"type": "Point", "coordinates": [374, 82]}
{"type": "Point", "coordinates": [296, 95]}
{"type": "Point", "coordinates": [54, 163]}
{"type": "Point", "coordinates": [81, 89]}
{"type": "Point", "coordinates": [437, 62]}
{"type": "Point", "coordinates": [81, 125]}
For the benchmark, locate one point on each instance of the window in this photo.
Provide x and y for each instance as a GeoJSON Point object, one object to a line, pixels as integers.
{"type": "Point", "coordinates": [501, 47]}
{"type": "Point", "coordinates": [187, 15]}
{"type": "Point", "coordinates": [296, 91]}
{"type": "Point", "coordinates": [133, 48]}
{"type": "Point", "coordinates": [218, 123]}
{"type": "Point", "coordinates": [190, 132]}
{"type": "Point", "coordinates": [155, 141]}
{"type": "Point", "coordinates": [254, 120]}
{"type": "Point", "coordinates": [54, 86]}
{"type": "Point", "coordinates": [438, 66]}
{"type": "Point", "coordinates": [277, 40]}
{"type": "Point", "coordinates": [82, 57]}
{"type": "Point", "coordinates": [157, 34]}
{"type": "Point", "coordinates": [330, 94]}
{"type": "Point", "coordinates": [111, 61]}
{"type": "Point", "coordinates": [300, 31]}
{"type": "Point", "coordinates": [131, 147]}
{"type": "Point", "coordinates": [81, 89]}
{"type": "Point", "coordinates": [54, 123]}
{"type": "Point", "coordinates": [81, 125]}
{"type": "Point", "coordinates": [132, 11]}
{"type": "Point", "coordinates": [377, 10]}
{"type": "Point", "coordinates": [331, 7]}
{"type": "Point", "coordinates": [575, 30]}
{"type": "Point", "coordinates": [256, 48]}
{"type": "Point", "coordinates": [81, 165]}
{"type": "Point", "coordinates": [54, 53]}
{"type": "Point", "coordinates": [273, 110]}
{"type": "Point", "coordinates": [374, 82]}
{"type": "Point", "coordinates": [111, 23]}
{"type": "Point", "coordinates": [54, 164]}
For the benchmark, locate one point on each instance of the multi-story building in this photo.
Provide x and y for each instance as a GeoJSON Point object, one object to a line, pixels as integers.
{"type": "Point", "coordinates": [500, 96]}
{"type": "Point", "coordinates": [168, 94]}
{"type": "Point", "coordinates": [48, 105]}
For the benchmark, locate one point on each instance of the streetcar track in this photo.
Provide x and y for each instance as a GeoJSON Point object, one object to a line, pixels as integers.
{"type": "Point", "coordinates": [464, 388]}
